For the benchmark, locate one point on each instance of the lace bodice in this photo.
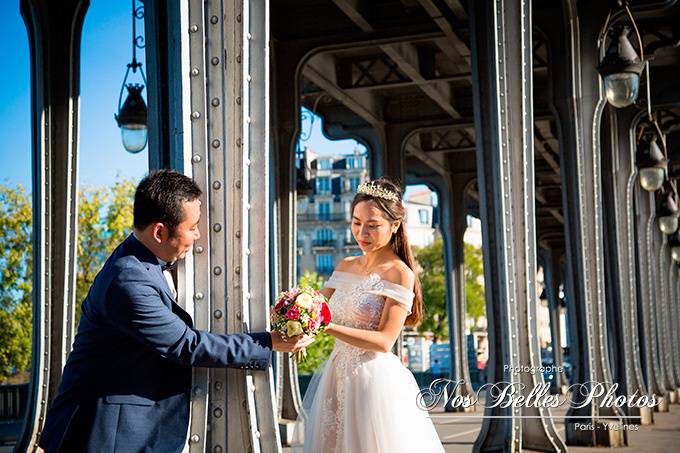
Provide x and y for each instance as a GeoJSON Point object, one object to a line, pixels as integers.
{"type": "Point", "coordinates": [358, 300]}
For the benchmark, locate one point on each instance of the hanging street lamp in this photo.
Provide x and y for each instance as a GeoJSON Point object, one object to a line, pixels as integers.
{"type": "Point", "coordinates": [652, 164]}
{"type": "Point", "coordinates": [621, 65]}
{"type": "Point", "coordinates": [132, 114]}
{"type": "Point", "coordinates": [674, 244]}
{"type": "Point", "coordinates": [667, 213]}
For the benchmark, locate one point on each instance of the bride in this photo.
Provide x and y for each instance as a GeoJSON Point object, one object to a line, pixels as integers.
{"type": "Point", "coordinates": [362, 399]}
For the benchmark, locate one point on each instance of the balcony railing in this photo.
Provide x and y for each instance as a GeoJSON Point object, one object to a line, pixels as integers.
{"type": "Point", "coordinates": [323, 217]}
{"type": "Point", "coordinates": [323, 243]}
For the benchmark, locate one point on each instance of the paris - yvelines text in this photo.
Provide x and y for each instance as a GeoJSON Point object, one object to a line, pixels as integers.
{"type": "Point", "coordinates": [514, 394]}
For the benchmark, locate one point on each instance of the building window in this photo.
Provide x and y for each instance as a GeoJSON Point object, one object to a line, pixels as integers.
{"type": "Point", "coordinates": [324, 211]}
{"type": "Point", "coordinates": [324, 237]}
{"type": "Point", "coordinates": [354, 184]}
{"type": "Point", "coordinates": [354, 162]}
{"type": "Point", "coordinates": [424, 215]}
{"type": "Point", "coordinates": [325, 164]}
{"type": "Point", "coordinates": [323, 185]}
{"type": "Point", "coordinates": [324, 264]}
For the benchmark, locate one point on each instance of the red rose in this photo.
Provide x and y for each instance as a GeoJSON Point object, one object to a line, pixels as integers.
{"type": "Point", "coordinates": [280, 305]}
{"type": "Point", "coordinates": [325, 314]}
{"type": "Point", "coordinates": [294, 313]}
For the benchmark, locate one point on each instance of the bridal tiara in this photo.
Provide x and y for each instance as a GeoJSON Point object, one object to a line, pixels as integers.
{"type": "Point", "coordinates": [374, 190]}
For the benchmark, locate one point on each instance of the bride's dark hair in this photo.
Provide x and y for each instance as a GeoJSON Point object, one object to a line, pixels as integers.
{"type": "Point", "coordinates": [394, 210]}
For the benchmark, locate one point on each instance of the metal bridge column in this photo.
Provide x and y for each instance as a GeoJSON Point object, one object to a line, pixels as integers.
{"type": "Point", "coordinates": [228, 106]}
{"type": "Point", "coordinates": [645, 229]}
{"type": "Point", "coordinates": [551, 282]}
{"type": "Point", "coordinates": [620, 180]}
{"type": "Point", "coordinates": [453, 225]}
{"type": "Point", "coordinates": [502, 72]}
{"type": "Point", "coordinates": [54, 33]}
{"type": "Point", "coordinates": [658, 279]}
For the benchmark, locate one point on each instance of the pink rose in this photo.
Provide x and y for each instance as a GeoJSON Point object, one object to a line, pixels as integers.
{"type": "Point", "coordinates": [293, 313]}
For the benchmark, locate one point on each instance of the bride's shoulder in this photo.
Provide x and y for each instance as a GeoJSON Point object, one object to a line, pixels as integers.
{"type": "Point", "coordinates": [347, 264]}
{"type": "Point", "coordinates": [400, 274]}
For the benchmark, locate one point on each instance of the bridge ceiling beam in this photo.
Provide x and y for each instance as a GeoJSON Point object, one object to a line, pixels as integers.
{"type": "Point", "coordinates": [320, 70]}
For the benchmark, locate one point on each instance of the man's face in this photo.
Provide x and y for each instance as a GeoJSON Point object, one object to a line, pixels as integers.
{"type": "Point", "coordinates": [178, 244]}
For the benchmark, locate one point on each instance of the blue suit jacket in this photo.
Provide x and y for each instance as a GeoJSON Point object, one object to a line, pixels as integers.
{"type": "Point", "coordinates": [126, 383]}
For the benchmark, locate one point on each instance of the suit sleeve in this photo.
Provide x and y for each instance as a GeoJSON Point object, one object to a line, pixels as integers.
{"type": "Point", "coordinates": [134, 306]}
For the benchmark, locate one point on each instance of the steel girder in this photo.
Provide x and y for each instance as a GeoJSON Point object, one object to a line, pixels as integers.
{"type": "Point", "coordinates": [227, 79]}
{"type": "Point", "coordinates": [665, 327]}
{"type": "Point", "coordinates": [504, 126]}
{"type": "Point", "coordinates": [620, 179]}
{"type": "Point", "coordinates": [54, 33]}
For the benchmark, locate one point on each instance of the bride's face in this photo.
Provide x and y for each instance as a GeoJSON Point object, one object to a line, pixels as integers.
{"type": "Point", "coordinates": [370, 228]}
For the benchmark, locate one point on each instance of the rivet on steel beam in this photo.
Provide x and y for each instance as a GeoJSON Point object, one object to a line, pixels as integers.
{"type": "Point", "coordinates": [238, 100]}
{"type": "Point", "coordinates": [237, 269]}
{"type": "Point", "coordinates": [238, 58]}
{"type": "Point", "coordinates": [193, 28]}
{"type": "Point", "coordinates": [197, 391]}
{"type": "Point", "coordinates": [217, 412]}
{"type": "Point", "coordinates": [217, 270]}
{"type": "Point", "coordinates": [196, 115]}
{"type": "Point", "coordinates": [216, 143]}
{"type": "Point", "coordinates": [249, 36]}
{"type": "Point", "coordinates": [238, 233]}
{"type": "Point", "coordinates": [247, 161]}
{"type": "Point", "coordinates": [217, 227]}
{"type": "Point", "coordinates": [198, 249]}
{"type": "Point", "coordinates": [257, 434]}
{"type": "Point", "coordinates": [247, 252]}
{"type": "Point", "coordinates": [198, 296]}
{"type": "Point", "coordinates": [217, 314]}
{"type": "Point", "coordinates": [215, 102]}
{"type": "Point", "coordinates": [195, 438]}
{"type": "Point", "coordinates": [215, 61]}
{"type": "Point", "coordinates": [195, 72]}
{"type": "Point", "coordinates": [196, 158]}
{"type": "Point", "coordinates": [218, 385]}
{"type": "Point", "coordinates": [217, 185]}
{"type": "Point", "coordinates": [238, 18]}
{"type": "Point", "coordinates": [238, 315]}
{"type": "Point", "coordinates": [217, 449]}
{"type": "Point", "coordinates": [237, 183]}
{"type": "Point", "coordinates": [214, 19]}
{"type": "Point", "coordinates": [238, 142]}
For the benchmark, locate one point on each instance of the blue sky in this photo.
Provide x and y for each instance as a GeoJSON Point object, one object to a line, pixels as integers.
{"type": "Point", "coordinates": [106, 50]}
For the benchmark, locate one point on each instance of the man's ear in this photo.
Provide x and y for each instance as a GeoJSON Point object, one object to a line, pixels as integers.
{"type": "Point", "coordinates": [158, 232]}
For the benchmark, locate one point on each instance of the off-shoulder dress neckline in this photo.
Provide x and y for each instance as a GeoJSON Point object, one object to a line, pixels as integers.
{"type": "Point", "coordinates": [372, 275]}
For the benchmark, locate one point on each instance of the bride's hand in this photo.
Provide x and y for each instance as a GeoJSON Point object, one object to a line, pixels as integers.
{"type": "Point", "coordinates": [290, 344]}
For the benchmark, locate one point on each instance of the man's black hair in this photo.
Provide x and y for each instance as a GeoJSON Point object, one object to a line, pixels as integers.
{"type": "Point", "coordinates": [159, 198]}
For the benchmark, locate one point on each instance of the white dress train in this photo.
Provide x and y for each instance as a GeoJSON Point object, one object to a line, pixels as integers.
{"type": "Point", "coordinates": [361, 401]}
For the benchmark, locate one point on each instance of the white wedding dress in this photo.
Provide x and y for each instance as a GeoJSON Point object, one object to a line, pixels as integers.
{"type": "Point", "coordinates": [360, 401]}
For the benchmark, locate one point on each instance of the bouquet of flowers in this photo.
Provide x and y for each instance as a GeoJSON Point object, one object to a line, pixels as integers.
{"type": "Point", "coordinates": [300, 311]}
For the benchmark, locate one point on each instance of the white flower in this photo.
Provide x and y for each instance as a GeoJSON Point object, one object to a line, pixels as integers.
{"type": "Point", "coordinates": [294, 328]}
{"type": "Point", "coordinates": [304, 300]}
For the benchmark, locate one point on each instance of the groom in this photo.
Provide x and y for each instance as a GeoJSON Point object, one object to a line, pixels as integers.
{"type": "Point", "coordinates": [126, 383]}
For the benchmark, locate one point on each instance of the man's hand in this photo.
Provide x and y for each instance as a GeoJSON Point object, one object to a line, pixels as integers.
{"type": "Point", "coordinates": [292, 344]}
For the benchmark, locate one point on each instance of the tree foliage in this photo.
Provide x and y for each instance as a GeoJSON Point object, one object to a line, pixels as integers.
{"type": "Point", "coordinates": [433, 282]}
{"type": "Point", "coordinates": [16, 256]}
{"type": "Point", "coordinates": [104, 220]}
